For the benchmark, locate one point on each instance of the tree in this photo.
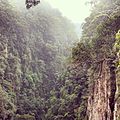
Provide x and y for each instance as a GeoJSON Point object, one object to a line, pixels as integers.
{"type": "Point", "coordinates": [30, 3]}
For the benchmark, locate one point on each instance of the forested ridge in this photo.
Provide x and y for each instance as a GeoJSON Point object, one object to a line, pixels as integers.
{"type": "Point", "coordinates": [46, 75]}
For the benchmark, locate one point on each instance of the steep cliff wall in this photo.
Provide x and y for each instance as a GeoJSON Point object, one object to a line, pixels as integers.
{"type": "Point", "coordinates": [102, 100]}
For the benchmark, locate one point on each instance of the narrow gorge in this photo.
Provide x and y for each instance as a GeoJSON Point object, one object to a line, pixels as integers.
{"type": "Point", "coordinates": [48, 73]}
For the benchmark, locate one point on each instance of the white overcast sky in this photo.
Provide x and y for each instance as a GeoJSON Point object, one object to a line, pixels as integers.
{"type": "Point", "coordinates": [75, 10]}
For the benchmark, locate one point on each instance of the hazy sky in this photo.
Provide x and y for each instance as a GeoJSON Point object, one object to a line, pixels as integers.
{"type": "Point", "coordinates": [75, 10]}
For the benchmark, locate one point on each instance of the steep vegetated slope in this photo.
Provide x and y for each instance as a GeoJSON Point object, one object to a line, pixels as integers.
{"type": "Point", "coordinates": [96, 52]}
{"type": "Point", "coordinates": [33, 47]}
{"type": "Point", "coordinates": [117, 98]}
{"type": "Point", "coordinates": [35, 83]}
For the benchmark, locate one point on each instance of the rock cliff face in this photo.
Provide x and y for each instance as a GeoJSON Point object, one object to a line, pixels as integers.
{"type": "Point", "coordinates": [101, 102]}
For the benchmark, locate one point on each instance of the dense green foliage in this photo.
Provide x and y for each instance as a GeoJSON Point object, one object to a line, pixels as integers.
{"type": "Point", "coordinates": [33, 49]}
{"type": "Point", "coordinates": [97, 41]}
{"type": "Point", "coordinates": [117, 50]}
{"type": "Point", "coordinates": [36, 82]}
